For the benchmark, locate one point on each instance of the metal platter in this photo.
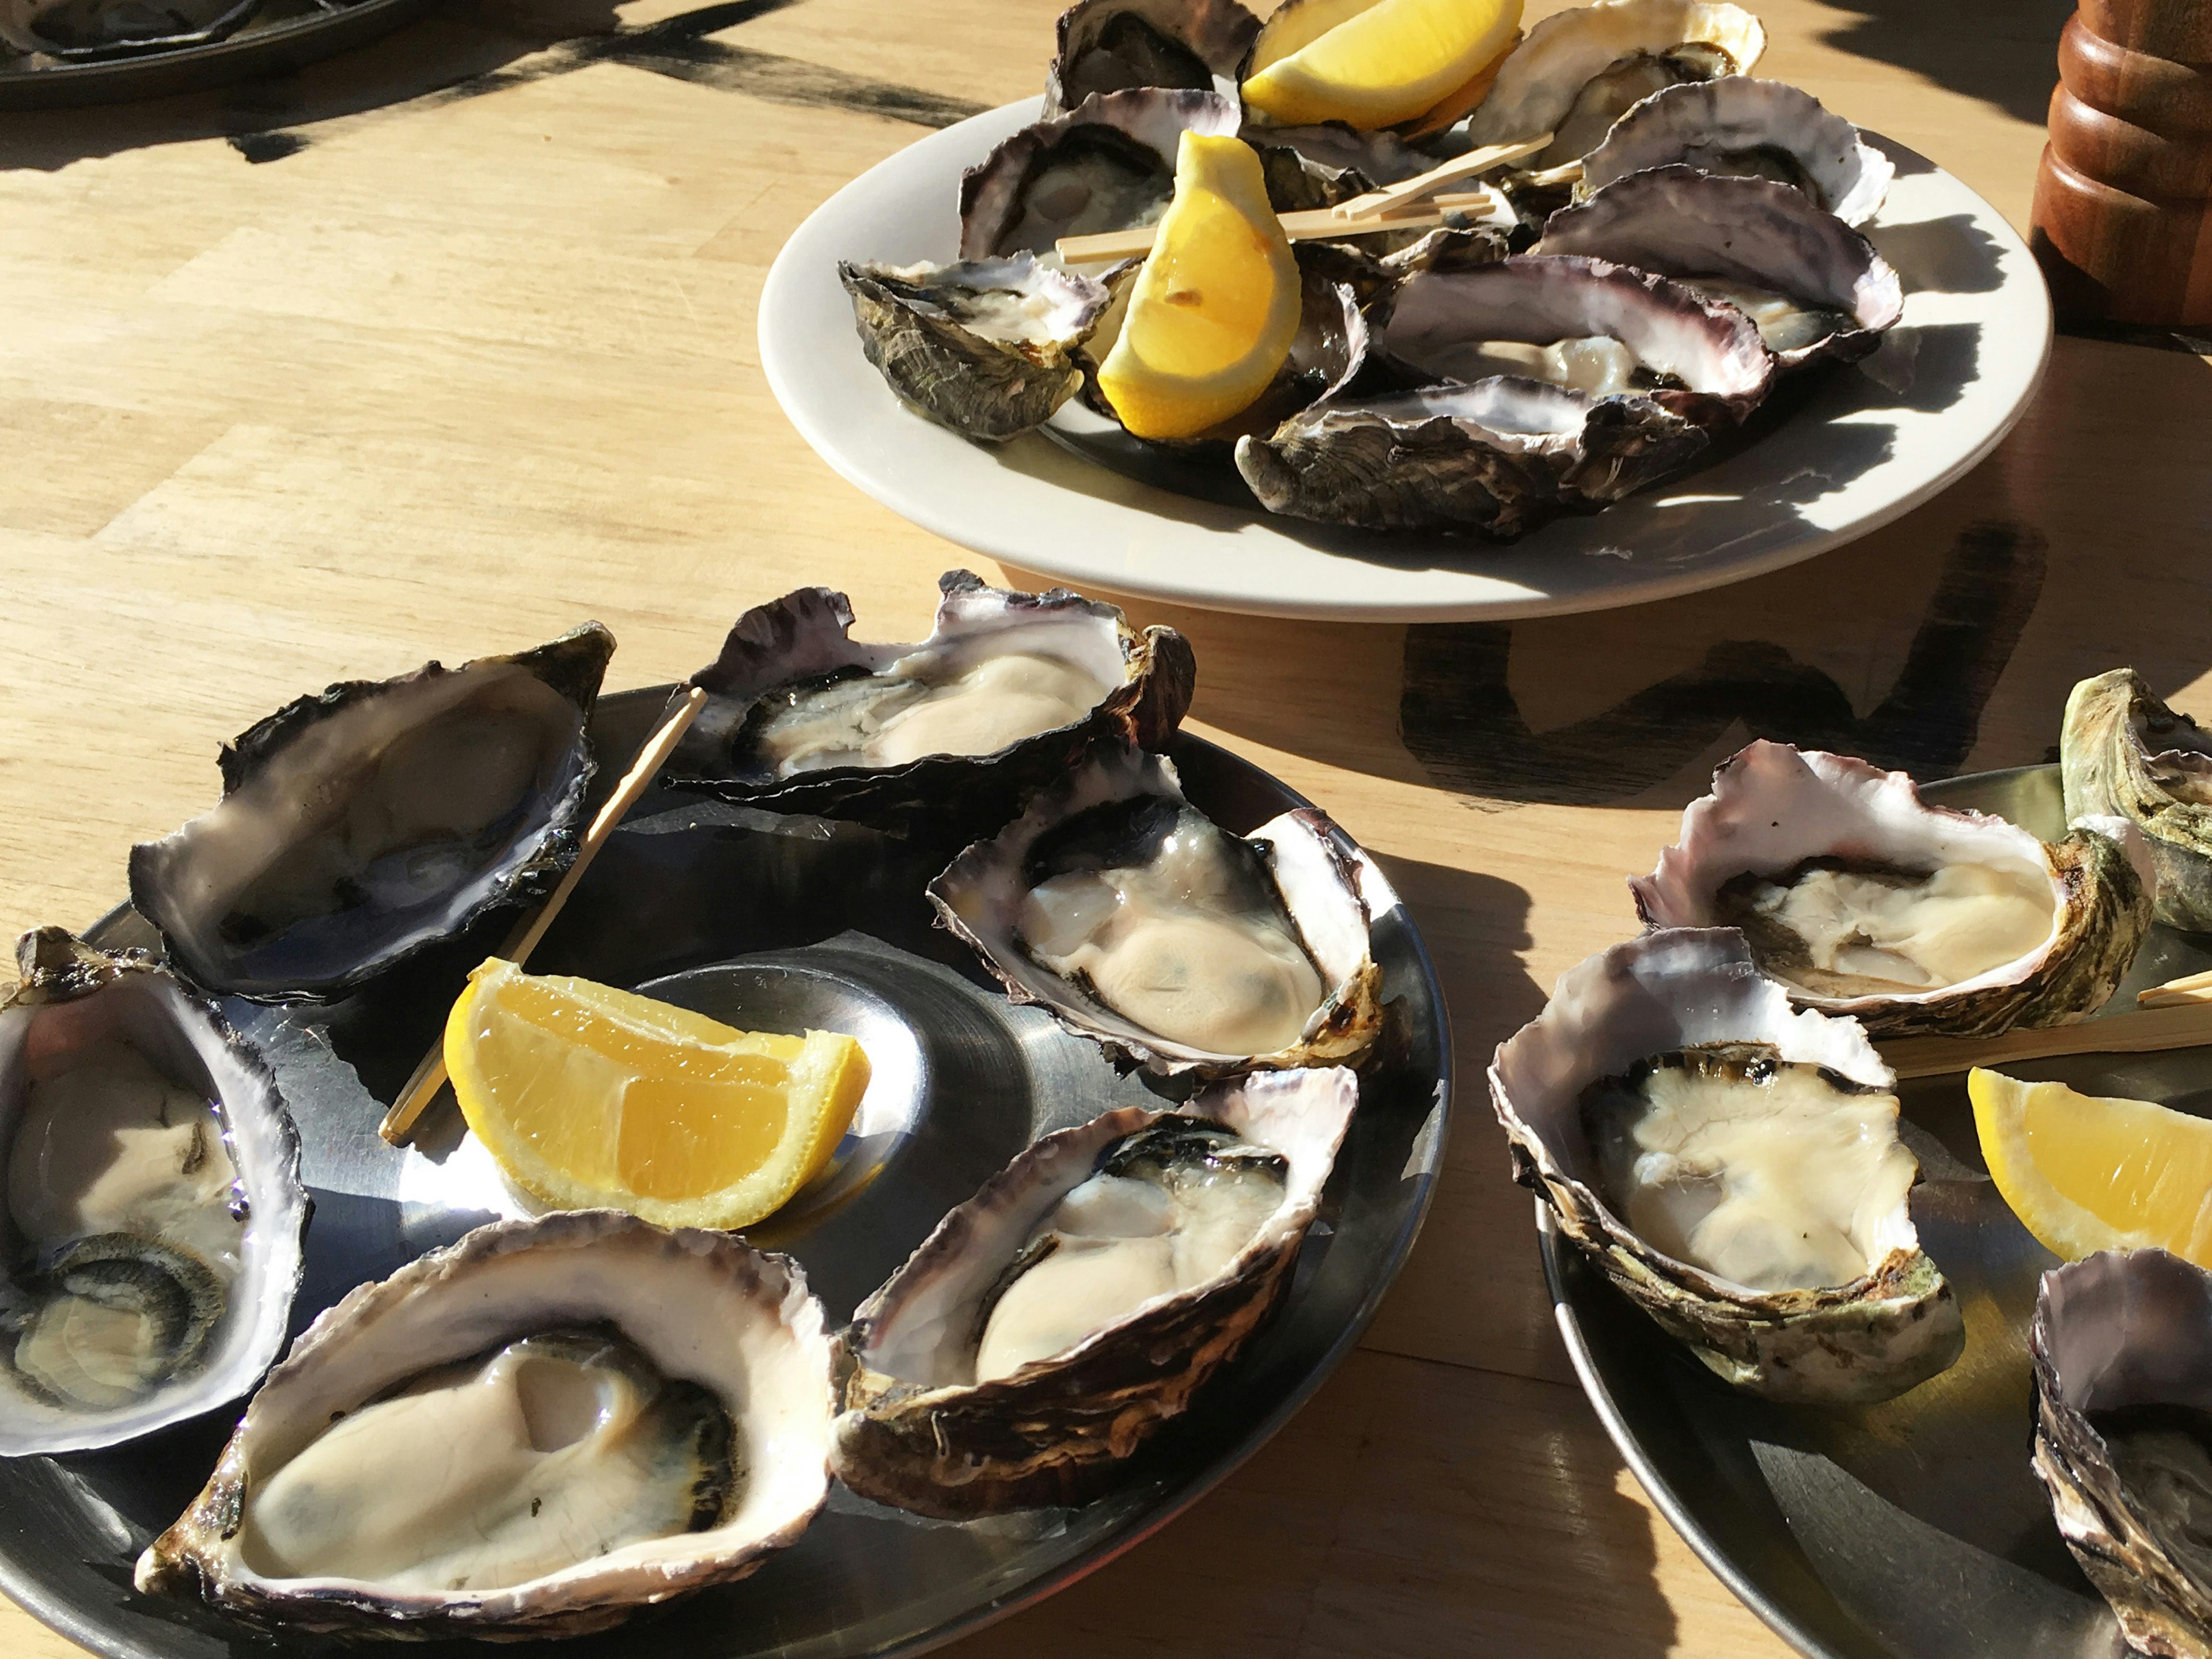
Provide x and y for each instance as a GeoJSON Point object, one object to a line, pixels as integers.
{"type": "Point", "coordinates": [1911, 1529]}
{"type": "Point", "coordinates": [763, 920]}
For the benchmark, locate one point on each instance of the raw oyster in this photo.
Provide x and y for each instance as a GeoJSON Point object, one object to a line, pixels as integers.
{"type": "Point", "coordinates": [75, 29]}
{"type": "Point", "coordinates": [1742, 126]}
{"type": "Point", "coordinates": [358, 827]}
{"type": "Point", "coordinates": [1863, 900]}
{"type": "Point", "coordinates": [1005, 692]}
{"type": "Point", "coordinates": [153, 1207]}
{"type": "Point", "coordinates": [1116, 46]}
{"type": "Point", "coordinates": [665, 1395]}
{"type": "Point", "coordinates": [1815, 287]}
{"type": "Point", "coordinates": [2122, 1346]}
{"type": "Point", "coordinates": [1134, 921]}
{"type": "Point", "coordinates": [1107, 164]}
{"type": "Point", "coordinates": [1732, 1165]}
{"type": "Point", "coordinates": [1318, 167]}
{"type": "Point", "coordinates": [981, 346]}
{"type": "Point", "coordinates": [1148, 1245]}
{"type": "Point", "coordinates": [2123, 751]}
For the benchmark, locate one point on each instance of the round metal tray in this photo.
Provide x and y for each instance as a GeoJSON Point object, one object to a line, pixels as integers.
{"type": "Point", "coordinates": [755, 919]}
{"type": "Point", "coordinates": [1912, 1530]}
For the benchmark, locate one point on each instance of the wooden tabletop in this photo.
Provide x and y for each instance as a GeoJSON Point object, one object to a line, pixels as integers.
{"type": "Point", "coordinates": [439, 349]}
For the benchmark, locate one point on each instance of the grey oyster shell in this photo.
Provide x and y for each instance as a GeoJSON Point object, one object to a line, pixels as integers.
{"type": "Point", "coordinates": [919, 1433]}
{"type": "Point", "coordinates": [1679, 988]}
{"type": "Point", "coordinates": [1117, 45]}
{"type": "Point", "coordinates": [2117, 1330]}
{"type": "Point", "coordinates": [1107, 164]}
{"type": "Point", "coordinates": [1741, 125]}
{"type": "Point", "coordinates": [981, 346]}
{"type": "Point", "coordinates": [71, 996]}
{"type": "Point", "coordinates": [395, 812]}
{"type": "Point", "coordinates": [1318, 167]}
{"type": "Point", "coordinates": [1772, 807]}
{"type": "Point", "coordinates": [1685, 224]}
{"type": "Point", "coordinates": [806, 637]}
{"type": "Point", "coordinates": [2123, 751]}
{"type": "Point", "coordinates": [703, 1306]}
{"type": "Point", "coordinates": [1312, 864]}
{"type": "Point", "coordinates": [79, 30]}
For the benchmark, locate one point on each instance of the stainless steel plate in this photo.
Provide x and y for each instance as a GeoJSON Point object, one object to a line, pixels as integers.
{"type": "Point", "coordinates": [1912, 1530]}
{"type": "Point", "coordinates": [760, 920]}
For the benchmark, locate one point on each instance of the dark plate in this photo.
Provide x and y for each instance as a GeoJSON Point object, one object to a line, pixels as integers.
{"type": "Point", "coordinates": [759, 920]}
{"type": "Point", "coordinates": [1911, 1529]}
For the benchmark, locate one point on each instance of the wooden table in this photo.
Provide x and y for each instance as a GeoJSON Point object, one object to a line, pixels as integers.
{"type": "Point", "coordinates": [441, 349]}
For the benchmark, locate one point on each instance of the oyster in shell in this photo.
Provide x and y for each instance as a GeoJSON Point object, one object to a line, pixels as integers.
{"type": "Point", "coordinates": [362, 825]}
{"type": "Point", "coordinates": [2124, 752]}
{"type": "Point", "coordinates": [1318, 167]}
{"type": "Point", "coordinates": [1117, 45]}
{"type": "Point", "coordinates": [1740, 126]}
{"type": "Point", "coordinates": [153, 1203]}
{"type": "Point", "coordinates": [1057, 1318]}
{"type": "Point", "coordinates": [532, 1433]}
{"type": "Point", "coordinates": [1732, 1165]}
{"type": "Point", "coordinates": [1863, 900]}
{"type": "Point", "coordinates": [1002, 696]}
{"type": "Point", "coordinates": [1135, 921]}
{"type": "Point", "coordinates": [981, 346]}
{"type": "Point", "coordinates": [2122, 1346]}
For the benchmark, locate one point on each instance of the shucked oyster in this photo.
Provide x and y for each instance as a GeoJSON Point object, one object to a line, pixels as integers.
{"type": "Point", "coordinates": [2121, 751]}
{"type": "Point", "coordinates": [1115, 46]}
{"type": "Point", "coordinates": [1135, 921]}
{"type": "Point", "coordinates": [1732, 1165]}
{"type": "Point", "coordinates": [1863, 900]}
{"type": "Point", "coordinates": [153, 1203]}
{"type": "Point", "coordinates": [357, 827]}
{"type": "Point", "coordinates": [1056, 1319]}
{"type": "Point", "coordinates": [530, 1433]}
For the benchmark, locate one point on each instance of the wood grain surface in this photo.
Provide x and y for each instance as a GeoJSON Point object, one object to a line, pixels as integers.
{"type": "Point", "coordinates": [439, 349]}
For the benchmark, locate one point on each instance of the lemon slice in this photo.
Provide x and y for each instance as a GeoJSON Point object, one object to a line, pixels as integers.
{"type": "Point", "coordinates": [1374, 63]}
{"type": "Point", "coordinates": [1212, 314]}
{"type": "Point", "coordinates": [2085, 1173]}
{"type": "Point", "coordinates": [590, 1097]}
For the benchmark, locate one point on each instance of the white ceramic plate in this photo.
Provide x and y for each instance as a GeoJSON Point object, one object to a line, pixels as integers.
{"type": "Point", "coordinates": [1870, 443]}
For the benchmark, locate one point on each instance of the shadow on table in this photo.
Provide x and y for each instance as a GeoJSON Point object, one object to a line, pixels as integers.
{"type": "Point", "coordinates": [2001, 51]}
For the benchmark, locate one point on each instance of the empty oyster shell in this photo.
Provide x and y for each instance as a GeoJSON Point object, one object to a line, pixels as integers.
{"type": "Point", "coordinates": [1816, 288]}
{"type": "Point", "coordinates": [2122, 1346]}
{"type": "Point", "coordinates": [1116, 46]}
{"type": "Point", "coordinates": [1157, 1286]}
{"type": "Point", "coordinates": [1134, 921]}
{"type": "Point", "coordinates": [1863, 900]}
{"type": "Point", "coordinates": [665, 1395]}
{"type": "Point", "coordinates": [1743, 127]}
{"type": "Point", "coordinates": [981, 346]}
{"type": "Point", "coordinates": [153, 1200]}
{"type": "Point", "coordinates": [2123, 751]}
{"type": "Point", "coordinates": [359, 826]}
{"type": "Point", "coordinates": [76, 29]}
{"type": "Point", "coordinates": [1769, 1148]}
{"type": "Point", "coordinates": [946, 737]}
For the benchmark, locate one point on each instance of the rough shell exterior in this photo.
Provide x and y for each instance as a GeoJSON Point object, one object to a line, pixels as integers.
{"type": "Point", "coordinates": [1215, 33]}
{"type": "Point", "coordinates": [2122, 751]}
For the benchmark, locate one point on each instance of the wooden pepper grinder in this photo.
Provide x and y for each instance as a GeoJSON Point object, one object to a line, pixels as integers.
{"type": "Point", "coordinates": [2122, 218]}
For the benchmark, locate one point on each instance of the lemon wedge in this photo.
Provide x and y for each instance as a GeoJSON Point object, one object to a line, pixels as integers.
{"type": "Point", "coordinates": [2085, 1173]}
{"type": "Point", "coordinates": [1212, 314]}
{"type": "Point", "coordinates": [1374, 63]}
{"type": "Point", "coordinates": [588, 1097]}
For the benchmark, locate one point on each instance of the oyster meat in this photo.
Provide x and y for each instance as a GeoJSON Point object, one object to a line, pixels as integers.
{"type": "Point", "coordinates": [2124, 752]}
{"type": "Point", "coordinates": [1117, 45]}
{"type": "Point", "coordinates": [1055, 1320]}
{"type": "Point", "coordinates": [154, 1207]}
{"type": "Point", "coordinates": [1732, 1165]}
{"type": "Point", "coordinates": [1863, 900]}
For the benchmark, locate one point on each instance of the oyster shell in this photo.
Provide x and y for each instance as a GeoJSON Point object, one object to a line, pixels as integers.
{"type": "Point", "coordinates": [152, 1206]}
{"type": "Point", "coordinates": [1117, 45]}
{"type": "Point", "coordinates": [1863, 900]}
{"type": "Point", "coordinates": [922, 1430]}
{"type": "Point", "coordinates": [81, 29]}
{"type": "Point", "coordinates": [981, 346]}
{"type": "Point", "coordinates": [666, 1395]}
{"type": "Point", "coordinates": [1134, 921]}
{"type": "Point", "coordinates": [2122, 1347]}
{"type": "Point", "coordinates": [955, 731]}
{"type": "Point", "coordinates": [2122, 751]}
{"type": "Point", "coordinates": [1768, 1124]}
{"type": "Point", "coordinates": [1318, 167]}
{"type": "Point", "coordinates": [1742, 126]}
{"type": "Point", "coordinates": [359, 826]}
{"type": "Point", "coordinates": [1815, 288]}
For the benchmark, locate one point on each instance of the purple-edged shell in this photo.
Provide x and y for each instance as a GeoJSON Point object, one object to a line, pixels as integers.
{"type": "Point", "coordinates": [1120, 46]}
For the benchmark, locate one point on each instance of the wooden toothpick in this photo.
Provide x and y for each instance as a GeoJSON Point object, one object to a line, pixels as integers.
{"type": "Point", "coordinates": [2182, 1025]}
{"type": "Point", "coordinates": [1306, 226]}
